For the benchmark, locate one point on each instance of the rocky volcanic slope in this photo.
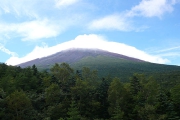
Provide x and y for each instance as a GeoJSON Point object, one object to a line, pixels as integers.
{"type": "Point", "coordinates": [73, 55]}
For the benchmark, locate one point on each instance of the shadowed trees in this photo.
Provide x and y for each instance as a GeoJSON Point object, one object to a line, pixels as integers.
{"type": "Point", "coordinates": [26, 93]}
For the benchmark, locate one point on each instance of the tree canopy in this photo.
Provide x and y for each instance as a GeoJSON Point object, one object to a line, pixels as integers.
{"type": "Point", "coordinates": [66, 94]}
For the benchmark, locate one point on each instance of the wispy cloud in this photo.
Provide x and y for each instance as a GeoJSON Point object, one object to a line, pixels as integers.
{"type": "Point", "coordinates": [88, 41]}
{"type": "Point", "coordinates": [152, 8]}
{"type": "Point", "coordinates": [32, 30]}
{"type": "Point", "coordinates": [38, 29]}
{"type": "Point", "coordinates": [124, 20]}
{"type": "Point", "coordinates": [64, 3]}
{"type": "Point", "coordinates": [5, 50]}
{"type": "Point", "coordinates": [20, 7]}
{"type": "Point", "coordinates": [112, 22]}
{"type": "Point", "coordinates": [171, 52]}
{"type": "Point", "coordinates": [118, 22]}
{"type": "Point", "coordinates": [31, 21]}
{"type": "Point", "coordinates": [168, 49]}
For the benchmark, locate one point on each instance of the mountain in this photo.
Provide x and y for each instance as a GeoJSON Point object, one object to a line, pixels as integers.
{"type": "Point", "coordinates": [106, 63]}
{"type": "Point", "coordinates": [71, 56]}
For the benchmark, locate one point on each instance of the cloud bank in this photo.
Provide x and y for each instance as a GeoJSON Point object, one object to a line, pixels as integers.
{"type": "Point", "coordinates": [87, 41]}
{"type": "Point", "coordinates": [122, 21]}
{"type": "Point", "coordinates": [37, 25]}
{"type": "Point", "coordinates": [113, 22]}
{"type": "Point", "coordinates": [152, 8]}
{"type": "Point", "coordinates": [32, 20]}
{"type": "Point", "coordinates": [32, 30]}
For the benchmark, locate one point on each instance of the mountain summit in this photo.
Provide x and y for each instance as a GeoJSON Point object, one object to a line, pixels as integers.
{"type": "Point", "coordinates": [71, 56]}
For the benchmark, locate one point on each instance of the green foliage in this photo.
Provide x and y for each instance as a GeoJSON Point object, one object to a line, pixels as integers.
{"type": "Point", "coordinates": [123, 68]}
{"type": "Point", "coordinates": [135, 85]}
{"type": "Point", "coordinates": [52, 94]}
{"type": "Point", "coordinates": [62, 76]}
{"type": "Point", "coordinates": [175, 94]}
{"type": "Point", "coordinates": [62, 72]}
{"type": "Point", "coordinates": [18, 104]}
{"type": "Point", "coordinates": [148, 112]}
{"type": "Point", "coordinates": [57, 111]}
{"type": "Point", "coordinates": [102, 97]}
{"type": "Point", "coordinates": [26, 93]}
{"type": "Point", "coordinates": [118, 114]}
{"type": "Point", "coordinates": [73, 112]}
{"type": "Point", "coordinates": [116, 95]}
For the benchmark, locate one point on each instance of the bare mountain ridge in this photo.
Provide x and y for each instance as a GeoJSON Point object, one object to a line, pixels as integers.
{"type": "Point", "coordinates": [73, 55]}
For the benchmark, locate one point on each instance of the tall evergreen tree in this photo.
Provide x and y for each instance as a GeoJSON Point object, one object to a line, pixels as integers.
{"type": "Point", "coordinates": [19, 105]}
{"type": "Point", "coordinates": [118, 113]}
{"type": "Point", "coordinates": [116, 95]}
{"type": "Point", "coordinates": [73, 112]}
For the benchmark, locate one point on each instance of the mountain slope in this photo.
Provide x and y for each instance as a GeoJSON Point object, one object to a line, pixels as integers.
{"type": "Point", "coordinates": [73, 55]}
{"type": "Point", "coordinates": [124, 68]}
{"type": "Point", "coordinates": [106, 63]}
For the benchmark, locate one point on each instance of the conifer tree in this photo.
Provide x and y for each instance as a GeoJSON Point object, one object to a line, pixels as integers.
{"type": "Point", "coordinates": [73, 112]}
{"type": "Point", "coordinates": [118, 113]}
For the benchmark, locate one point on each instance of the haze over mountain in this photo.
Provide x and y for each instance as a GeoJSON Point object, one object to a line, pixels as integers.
{"type": "Point", "coordinates": [91, 41]}
{"type": "Point", "coordinates": [71, 56]}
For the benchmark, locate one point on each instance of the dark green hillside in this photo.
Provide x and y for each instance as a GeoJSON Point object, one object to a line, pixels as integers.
{"type": "Point", "coordinates": [106, 63]}
{"type": "Point", "coordinates": [123, 68]}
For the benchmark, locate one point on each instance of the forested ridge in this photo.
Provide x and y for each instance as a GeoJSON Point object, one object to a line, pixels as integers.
{"type": "Point", "coordinates": [67, 94]}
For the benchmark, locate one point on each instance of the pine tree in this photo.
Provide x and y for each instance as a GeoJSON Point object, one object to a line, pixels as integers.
{"type": "Point", "coordinates": [73, 112]}
{"type": "Point", "coordinates": [172, 115]}
{"type": "Point", "coordinates": [118, 113]}
{"type": "Point", "coordinates": [135, 85]}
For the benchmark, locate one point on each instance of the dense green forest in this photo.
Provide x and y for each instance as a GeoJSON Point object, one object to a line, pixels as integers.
{"type": "Point", "coordinates": [66, 94]}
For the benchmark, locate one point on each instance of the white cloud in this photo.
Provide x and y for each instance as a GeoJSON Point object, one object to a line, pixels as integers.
{"type": "Point", "coordinates": [171, 52]}
{"type": "Point", "coordinates": [36, 19]}
{"type": "Point", "coordinates": [20, 7]}
{"type": "Point", "coordinates": [114, 22]}
{"type": "Point", "coordinates": [168, 49]}
{"type": "Point", "coordinates": [32, 30]}
{"type": "Point", "coordinates": [5, 50]}
{"type": "Point", "coordinates": [61, 3]}
{"type": "Point", "coordinates": [123, 21]}
{"type": "Point", "coordinates": [152, 8]}
{"type": "Point", "coordinates": [87, 41]}
{"type": "Point", "coordinates": [38, 29]}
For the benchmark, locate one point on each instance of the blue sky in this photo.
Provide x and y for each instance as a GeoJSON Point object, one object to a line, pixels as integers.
{"type": "Point", "coordinates": [146, 29]}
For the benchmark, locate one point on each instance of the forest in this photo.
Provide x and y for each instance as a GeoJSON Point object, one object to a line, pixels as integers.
{"type": "Point", "coordinates": [66, 94]}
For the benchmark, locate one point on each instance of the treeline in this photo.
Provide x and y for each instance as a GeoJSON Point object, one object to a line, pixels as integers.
{"type": "Point", "coordinates": [65, 94]}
